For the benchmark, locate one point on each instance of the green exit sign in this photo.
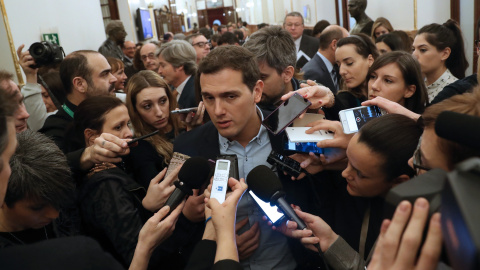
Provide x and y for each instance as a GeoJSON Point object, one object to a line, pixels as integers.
{"type": "Point", "coordinates": [52, 37]}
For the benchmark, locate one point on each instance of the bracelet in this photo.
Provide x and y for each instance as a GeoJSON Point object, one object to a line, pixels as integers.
{"type": "Point", "coordinates": [207, 220]}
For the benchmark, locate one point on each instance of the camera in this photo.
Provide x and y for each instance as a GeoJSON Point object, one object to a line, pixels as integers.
{"type": "Point", "coordinates": [46, 53]}
{"type": "Point", "coordinates": [284, 163]}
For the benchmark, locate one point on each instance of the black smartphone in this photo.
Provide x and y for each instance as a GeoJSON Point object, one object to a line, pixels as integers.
{"type": "Point", "coordinates": [187, 110]}
{"type": "Point", "coordinates": [233, 165]}
{"type": "Point", "coordinates": [284, 114]}
{"type": "Point", "coordinates": [301, 147]}
{"type": "Point", "coordinates": [271, 212]}
{"type": "Point", "coordinates": [142, 137]}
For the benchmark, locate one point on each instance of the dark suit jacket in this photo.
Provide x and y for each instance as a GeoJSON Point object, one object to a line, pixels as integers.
{"type": "Point", "coordinates": [309, 45]}
{"type": "Point", "coordinates": [187, 98]}
{"type": "Point", "coordinates": [203, 141]}
{"type": "Point", "coordinates": [316, 70]}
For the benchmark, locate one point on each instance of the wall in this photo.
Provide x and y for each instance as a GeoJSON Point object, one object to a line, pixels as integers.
{"type": "Point", "coordinates": [5, 54]}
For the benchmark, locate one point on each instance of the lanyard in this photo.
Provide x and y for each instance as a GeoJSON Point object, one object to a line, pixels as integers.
{"type": "Point", "coordinates": [67, 110]}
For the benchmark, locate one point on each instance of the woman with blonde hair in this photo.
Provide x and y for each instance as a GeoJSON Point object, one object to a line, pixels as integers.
{"type": "Point", "coordinates": [381, 26]}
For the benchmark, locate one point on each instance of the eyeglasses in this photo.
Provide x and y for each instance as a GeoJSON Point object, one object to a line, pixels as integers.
{"type": "Point", "coordinates": [149, 56]}
{"type": "Point", "coordinates": [417, 159]}
{"type": "Point", "coordinates": [202, 44]}
{"type": "Point", "coordinates": [290, 25]}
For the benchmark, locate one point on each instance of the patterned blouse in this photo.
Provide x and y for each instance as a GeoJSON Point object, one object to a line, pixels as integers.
{"type": "Point", "coordinates": [444, 80]}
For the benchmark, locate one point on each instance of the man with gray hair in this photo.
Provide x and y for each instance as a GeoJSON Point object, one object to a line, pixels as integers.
{"type": "Point", "coordinates": [116, 37]}
{"type": "Point", "coordinates": [306, 45]}
{"type": "Point", "coordinates": [275, 53]}
{"type": "Point", "coordinates": [322, 68]}
{"type": "Point", "coordinates": [177, 65]}
{"type": "Point", "coordinates": [200, 44]}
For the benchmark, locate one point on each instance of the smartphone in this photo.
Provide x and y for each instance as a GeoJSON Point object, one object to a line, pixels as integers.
{"type": "Point", "coordinates": [193, 109]}
{"type": "Point", "coordinates": [284, 114]}
{"type": "Point", "coordinates": [297, 134]}
{"type": "Point", "coordinates": [301, 147]}
{"type": "Point", "coordinates": [353, 119]}
{"type": "Point", "coordinates": [220, 180]}
{"type": "Point", "coordinates": [270, 211]}
{"type": "Point", "coordinates": [233, 165]}
{"type": "Point", "coordinates": [142, 137]}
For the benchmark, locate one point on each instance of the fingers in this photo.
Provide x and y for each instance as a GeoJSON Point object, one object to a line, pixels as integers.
{"type": "Point", "coordinates": [412, 236]}
{"type": "Point", "coordinates": [392, 237]}
{"type": "Point", "coordinates": [19, 50]}
{"type": "Point", "coordinates": [432, 247]}
{"type": "Point", "coordinates": [300, 91]}
{"type": "Point", "coordinates": [240, 224]}
{"type": "Point", "coordinates": [158, 177]}
{"type": "Point", "coordinates": [168, 181]}
{"type": "Point", "coordinates": [309, 240]}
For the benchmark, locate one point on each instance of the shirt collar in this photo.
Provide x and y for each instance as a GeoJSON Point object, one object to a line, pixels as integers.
{"type": "Point", "coordinates": [181, 86]}
{"type": "Point", "coordinates": [326, 61]}
{"type": "Point", "coordinates": [445, 76]}
{"type": "Point", "coordinates": [297, 43]}
{"type": "Point", "coordinates": [260, 138]}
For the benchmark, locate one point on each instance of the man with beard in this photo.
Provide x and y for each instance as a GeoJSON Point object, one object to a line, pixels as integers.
{"type": "Point", "coordinates": [275, 53]}
{"type": "Point", "coordinates": [83, 74]}
{"type": "Point", "coordinates": [116, 37]}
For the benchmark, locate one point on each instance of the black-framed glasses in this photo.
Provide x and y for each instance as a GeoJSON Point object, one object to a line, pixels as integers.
{"type": "Point", "coordinates": [417, 159]}
{"type": "Point", "coordinates": [202, 44]}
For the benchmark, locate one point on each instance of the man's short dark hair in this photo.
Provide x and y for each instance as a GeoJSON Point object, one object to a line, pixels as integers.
{"type": "Point", "coordinates": [230, 57]}
{"type": "Point", "coordinates": [238, 34]}
{"type": "Point", "coordinates": [228, 38]}
{"type": "Point", "coordinates": [75, 65]}
{"type": "Point", "coordinates": [274, 46]}
{"type": "Point", "coordinates": [189, 38]}
{"type": "Point", "coordinates": [328, 36]}
{"type": "Point", "coordinates": [40, 172]}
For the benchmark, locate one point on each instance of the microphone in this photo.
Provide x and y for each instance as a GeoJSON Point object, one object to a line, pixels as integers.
{"type": "Point", "coordinates": [266, 185]}
{"type": "Point", "coordinates": [192, 175]}
{"type": "Point", "coordinates": [460, 128]}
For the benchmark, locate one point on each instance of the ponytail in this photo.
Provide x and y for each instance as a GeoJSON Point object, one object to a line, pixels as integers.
{"type": "Point", "coordinates": [448, 35]}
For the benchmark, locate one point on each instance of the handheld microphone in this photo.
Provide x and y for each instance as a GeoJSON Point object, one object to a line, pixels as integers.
{"type": "Point", "coordinates": [192, 175]}
{"type": "Point", "coordinates": [266, 185]}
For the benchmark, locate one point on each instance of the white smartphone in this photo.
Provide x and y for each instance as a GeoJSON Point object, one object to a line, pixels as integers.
{"type": "Point", "coordinates": [297, 134]}
{"type": "Point", "coordinates": [270, 211]}
{"type": "Point", "coordinates": [353, 119]}
{"type": "Point", "coordinates": [220, 180]}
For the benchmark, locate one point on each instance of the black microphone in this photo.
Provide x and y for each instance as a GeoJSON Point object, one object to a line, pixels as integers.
{"type": "Point", "coordinates": [192, 175]}
{"type": "Point", "coordinates": [266, 185]}
{"type": "Point", "coordinates": [463, 129]}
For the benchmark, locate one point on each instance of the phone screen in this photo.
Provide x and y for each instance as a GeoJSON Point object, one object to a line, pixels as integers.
{"type": "Point", "coordinates": [279, 119]}
{"type": "Point", "coordinates": [358, 117]}
{"type": "Point", "coordinates": [271, 211]}
{"type": "Point", "coordinates": [302, 147]}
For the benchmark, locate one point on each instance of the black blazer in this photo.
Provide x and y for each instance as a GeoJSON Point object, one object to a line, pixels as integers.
{"type": "Point", "coordinates": [316, 70]}
{"type": "Point", "coordinates": [187, 98]}
{"type": "Point", "coordinates": [309, 45]}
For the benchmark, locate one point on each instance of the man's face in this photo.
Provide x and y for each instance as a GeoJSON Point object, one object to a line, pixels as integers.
{"type": "Point", "coordinates": [230, 29]}
{"type": "Point", "coordinates": [169, 73]}
{"type": "Point", "coordinates": [201, 46]}
{"type": "Point", "coordinates": [354, 8]}
{"type": "Point", "coordinates": [129, 49]}
{"type": "Point", "coordinates": [274, 85]}
{"type": "Point", "coordinates": [223, 30]}
{"type": "Point", "coordinates": [230, 104]}
{"type": "Point", "coordinates": [21, 115]}
{"type": "Point", "coordinates": [102, 81]}
{"type": "Point", "coordinates": [30, 214]}
{"type": "Point", "coordinates": [147, 54]}
{"type": "Point", "coordinates": [6, 155]}
{"type": "Point", "coordinates": [294, 26]}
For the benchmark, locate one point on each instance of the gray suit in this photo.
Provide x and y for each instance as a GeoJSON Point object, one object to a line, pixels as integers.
{"type": "Point", "coordinates": [316, 70]}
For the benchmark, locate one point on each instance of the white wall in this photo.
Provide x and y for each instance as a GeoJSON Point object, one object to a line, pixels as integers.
{"type": "Point", "coordinates": [127, 18]}
{"type": "Point", "coordinates": [5, 54]}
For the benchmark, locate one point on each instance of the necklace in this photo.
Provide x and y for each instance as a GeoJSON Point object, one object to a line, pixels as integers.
{"type": "Point", "coordinates": [23, 243]}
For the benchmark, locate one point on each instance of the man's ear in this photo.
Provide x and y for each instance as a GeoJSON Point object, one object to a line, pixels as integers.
{"type": "Point", "coordinates": [333, 45]}
{"type": "Point", "coordinates": [402, 178]}
{"type": "Point", "coordinates": [80, 85]}
{"type": "Point", "coordinates": [287, 74]}
{"type": "Point", "coordinates": [90, 135]}
{"type": "Point", "coordinates": [257, 91]}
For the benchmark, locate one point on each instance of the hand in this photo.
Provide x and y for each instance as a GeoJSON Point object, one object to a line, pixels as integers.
{"type": "Point", "coordinates": [398, 249]}
{"type": "Point", "coordinates": [195, 207]}
{"type": "Point", "coordinates": [340, 139]}
{"type": "Point", "coordinates": [26, 60]}
{"type": "Point", "coordinates": [106, 148]}
{"type": "Point", "coordinates": [319, 96]}
{"type": "Point", "coordinates": [159, 191]}
{"type": "Point", "coordinates": [391, 107]}
{"type": "Point", "coordinates": [194, 119]}
{"type": "Point", "coordinates": [322, 233]}
{"type": "Point", "coordinates": [248, 241]}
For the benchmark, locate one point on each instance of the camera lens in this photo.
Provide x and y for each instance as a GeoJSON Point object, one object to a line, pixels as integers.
{"type": "Point", "coordinates": [38, 50]}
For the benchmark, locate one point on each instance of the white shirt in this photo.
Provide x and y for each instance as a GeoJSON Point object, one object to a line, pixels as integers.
{"type": "Point", "coordinates": [181, 86]}
{"type": "Point", "coordinates": [297, 43]}
{"type": "Point", "coordinates": [444, 80]}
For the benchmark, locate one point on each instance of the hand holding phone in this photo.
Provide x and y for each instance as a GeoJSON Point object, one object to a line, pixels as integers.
{"type": "Point", "coordinates": [187, 110]}
{"type": "Point", "coordinates": [284, 114]}
{"type": "Point", "coordinates": [271, 212]}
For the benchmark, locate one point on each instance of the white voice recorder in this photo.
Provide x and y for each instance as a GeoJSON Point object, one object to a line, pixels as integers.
{"type": "Point", "coordinates": [220, 180]}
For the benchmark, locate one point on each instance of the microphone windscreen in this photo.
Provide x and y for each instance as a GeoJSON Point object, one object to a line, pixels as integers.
{"type": "Point", "coordinates": [194, 172]}
{"type": "Point", "coordinates": [461, 128]}
{"type": "Point", "coordinates": [263, 182]}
